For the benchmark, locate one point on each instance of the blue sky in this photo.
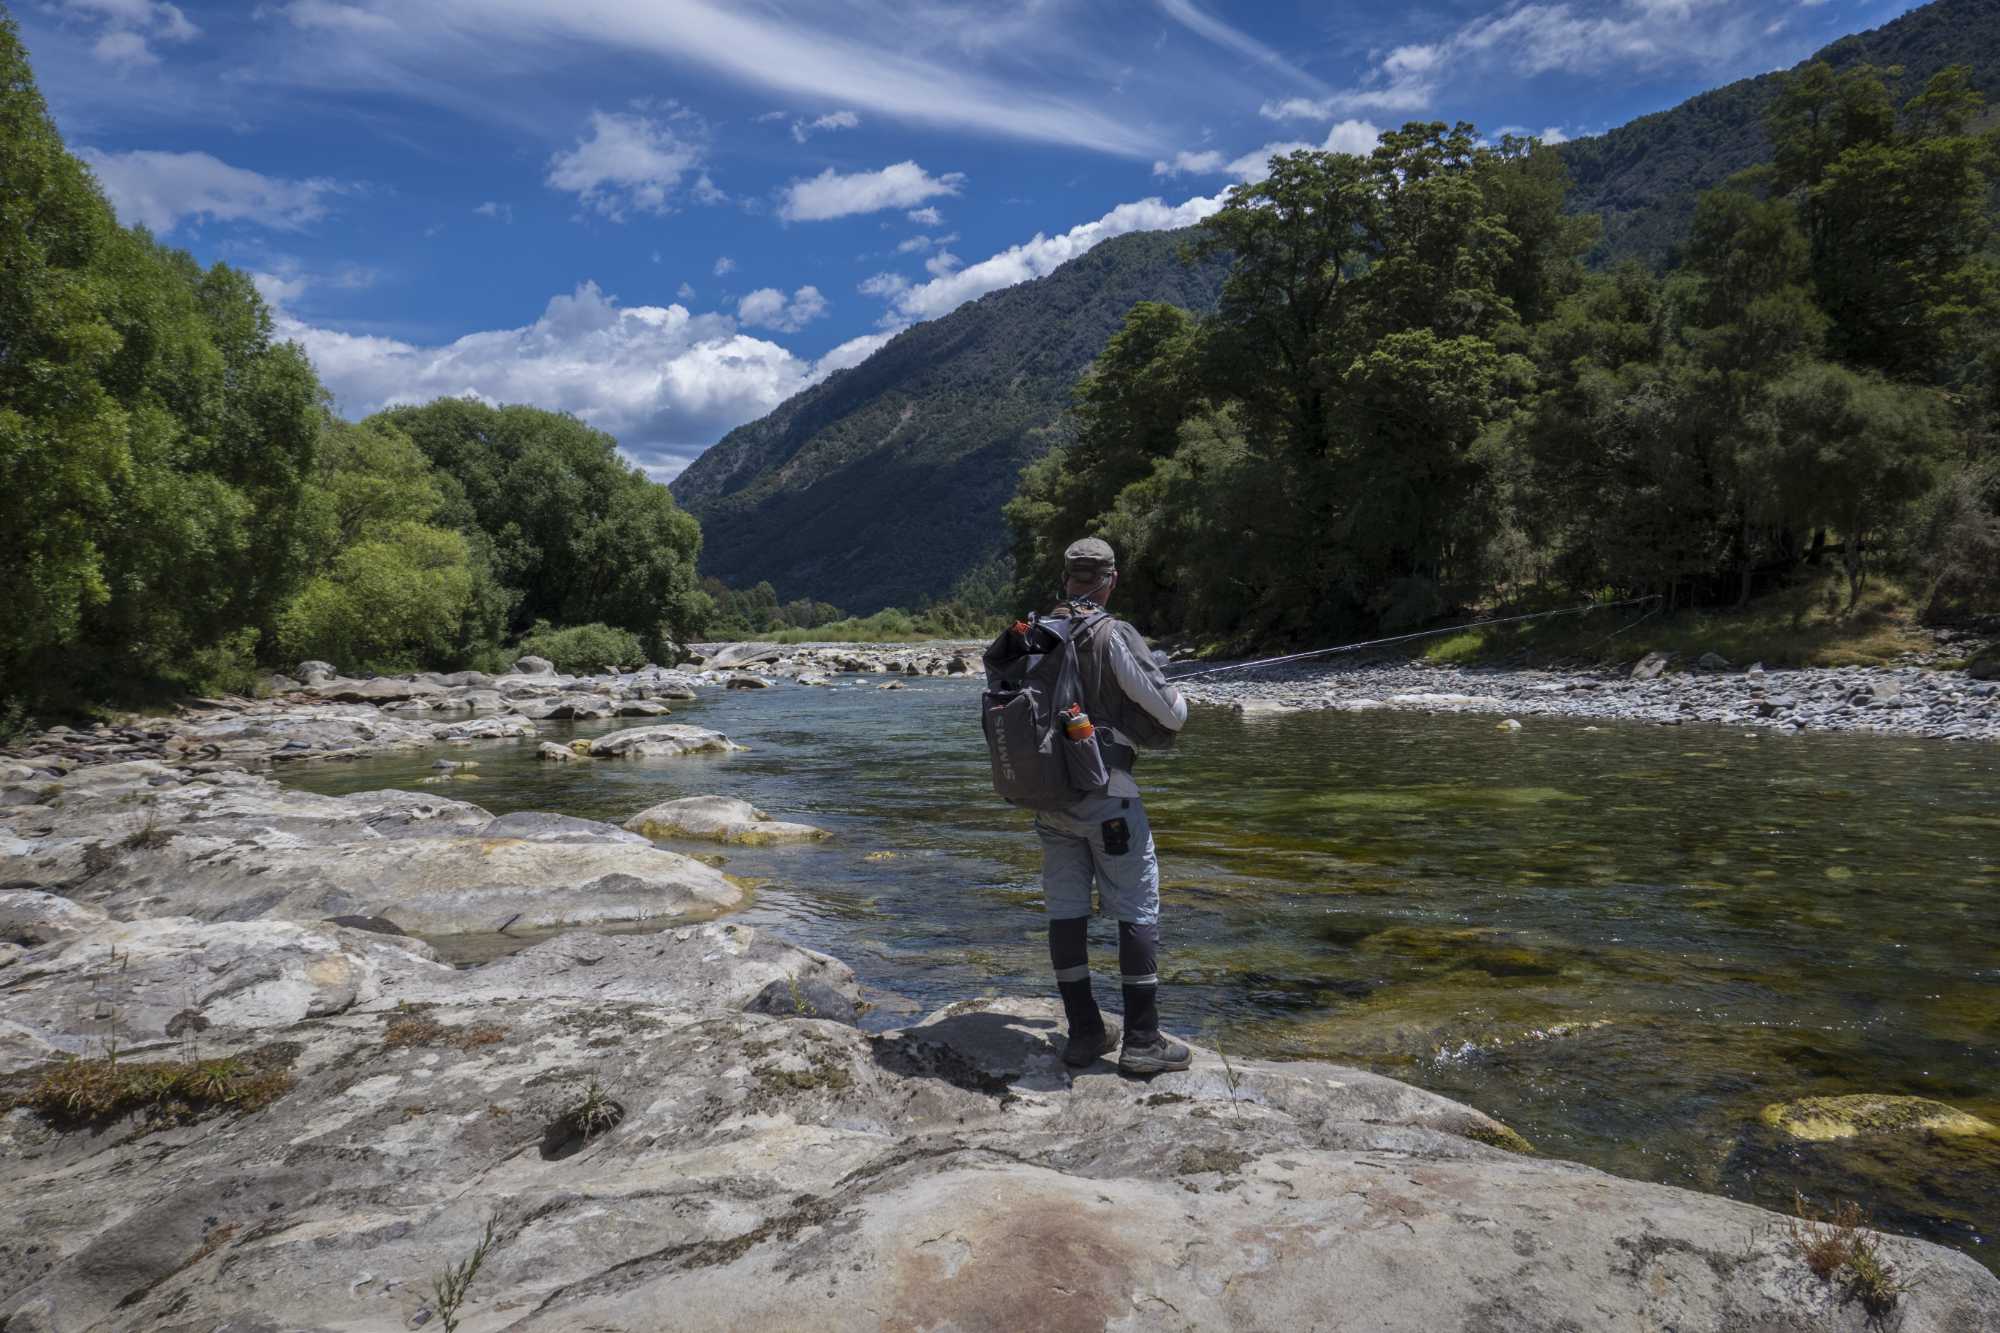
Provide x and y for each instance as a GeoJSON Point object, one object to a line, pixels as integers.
{"type": "Point", "coordinates": [669, 215]}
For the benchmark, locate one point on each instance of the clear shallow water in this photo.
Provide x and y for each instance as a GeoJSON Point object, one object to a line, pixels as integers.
{"type": "Point", "coordinates": [1623, 942]}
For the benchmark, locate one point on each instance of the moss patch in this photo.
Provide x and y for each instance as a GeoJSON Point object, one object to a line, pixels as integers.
{"type": "Point", "coordinates": [1818, 1119]}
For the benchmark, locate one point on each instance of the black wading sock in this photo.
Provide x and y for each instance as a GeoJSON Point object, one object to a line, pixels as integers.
{"type": "Point", "coordinates": [1138, 966]}
{"type": "Point", "coordinates": [1069, 954]}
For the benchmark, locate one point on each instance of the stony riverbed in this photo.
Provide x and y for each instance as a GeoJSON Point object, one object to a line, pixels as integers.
{"type": "Point", "coordinates": [1907, 701]}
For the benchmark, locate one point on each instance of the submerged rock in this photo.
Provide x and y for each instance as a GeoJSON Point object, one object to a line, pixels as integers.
{"type": "Point", "coordinates": [669, 740]}
{"type": "Point", "coordinates": [720, 818]}
{"type": "Point", "coordinates": [1819, 1119]}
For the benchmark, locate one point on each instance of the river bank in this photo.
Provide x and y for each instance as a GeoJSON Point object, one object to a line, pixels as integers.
{"type": "Point", "coordinates": [687, 1119]}
{"type": "Point", "coordinates": [1903, 701]}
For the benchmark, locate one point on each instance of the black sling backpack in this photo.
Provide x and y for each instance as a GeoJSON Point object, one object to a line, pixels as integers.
{"type": "Point", "coordinates": [1031, 681]}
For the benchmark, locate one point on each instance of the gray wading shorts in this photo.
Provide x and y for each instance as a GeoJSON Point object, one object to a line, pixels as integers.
{"type": "Point", "coordinates": [1104, 839]}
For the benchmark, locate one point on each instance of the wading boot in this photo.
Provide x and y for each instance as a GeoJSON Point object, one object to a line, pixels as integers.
{"type": "Point", "coordinates": [1152, 1053]}
{"type": "Point", "coordinates": [1086, 1046]}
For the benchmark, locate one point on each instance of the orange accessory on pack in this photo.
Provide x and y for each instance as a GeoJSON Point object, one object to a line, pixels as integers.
{"type": "Point", "coordinates": [1077, 725]}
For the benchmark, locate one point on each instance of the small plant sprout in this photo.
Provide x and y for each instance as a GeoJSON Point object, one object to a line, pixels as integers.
{"type": "Point", "coordinates": [449, 1288]}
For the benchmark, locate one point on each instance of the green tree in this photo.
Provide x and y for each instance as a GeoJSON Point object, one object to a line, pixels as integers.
{"type": "Point", "coordinates": [579, 533]}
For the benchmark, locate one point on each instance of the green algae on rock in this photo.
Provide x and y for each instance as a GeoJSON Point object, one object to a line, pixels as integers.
{"type": "Point", "coordinates": [1822, 1118]}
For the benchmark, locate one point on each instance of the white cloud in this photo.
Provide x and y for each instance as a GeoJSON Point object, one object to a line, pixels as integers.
{"type": "Point", "coordinates": [833, 195]}
{"type": "Point", "coordinates": [767, 308]}
{"type": "Point", "coordinates": [1041, 255]}
{"type": "Point", "coordinates": [724, 265]}
{"type": "Point", "coordinates": [685, 291]}
{"type": "Point", "coordinates": [279, 289]}
{"type": "Point", "coordinates": [330, 15]}
{"type": "Point", "coordinates": [1553, 135]}
{"type": "Point", "coordinates": [1536, 38]}
{"type": "Point", "coordinates": [122, 46]}
{"type": "Point", "coordinates": [629, 161]}
{"type": "Point", "coordinates": [912, 245]}
{"type": "Point", "coordinates": [665, 381]}
{"type": "Point", "coordinates": [925, 217]}
{"type": "Point", "coordinates": [884, 285]}
{"type": "Point", "coordinates": [161, 190]}
{"type": "Point", "coordinates": [942, 263]}
{"type": "Point", "coordinates": [1348, 136]}
{"type": "Point", "coordinates": [492, 208]}
{"type": "Point", "coordinates": [1200, 164]}
{"type": "Point", "coordinates": [851, 353]}
{"type": "Point", "coordinates": [868, 57]}
{"type": "Point", "coordinates": [833, 120]}
{"type": "Point", "coordinates": [129, 27]}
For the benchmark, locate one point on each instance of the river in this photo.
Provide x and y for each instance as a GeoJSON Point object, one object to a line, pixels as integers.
{"type": "Point", "coordinates": [1622, 940]}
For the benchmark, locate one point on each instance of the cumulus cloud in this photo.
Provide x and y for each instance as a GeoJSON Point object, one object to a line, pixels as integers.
{"type": "Point", "coordinates": [1348, 136]}
{"type": "Point", "coordinates": [127, 28]}
{"type": "Point", "coordinates": [1199, 164]}
{"type": "Point", "coordinates": [834, 195]}
{"type": "Point", "coordinates": [915, 245]}
{"type": "Point", "coordinates": [1039, 255]}
{"type": "Point", "coordinates": [161, 190]}
{"type": "Point", "coordinates": [768, 308]}
{"type": "Point", "coordinates": [833, 120]}
{"type": "Point", "coordinates": [628, 162]}
{"type": "Point", "coordinates": [942, 263]}
{"type": "Point", "coordinates": [925, 217]}
{"type": "Point", "coordinates": [1536, 38]}
{"type": "Point", "coordinates": [1554, 135]}
{"type": "Point", "coordinates": [884, 285]}
{"type": "Point", "coordinates": [665, 381]}
{"type": "Point", "coordinates": [724, 265]}
{"type": "Point", "coordinates": [685, 291]}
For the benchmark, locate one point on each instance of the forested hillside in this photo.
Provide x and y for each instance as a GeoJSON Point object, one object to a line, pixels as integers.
{"type": "Point", "coordinates": [883, 485]}
{"type": "Point", "coordinates": [1643, 178]}
{"type": "Point", "coordinates": [1413, 397]}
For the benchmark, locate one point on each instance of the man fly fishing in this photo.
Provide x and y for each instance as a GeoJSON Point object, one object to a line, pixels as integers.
{"type": "Point", "coordinates": [1071, 697]}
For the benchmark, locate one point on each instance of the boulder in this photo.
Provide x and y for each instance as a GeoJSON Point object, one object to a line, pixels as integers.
{"type": "Point", "coordinates": [744, 681]}
{"type": "Point", "coordinates": [669, 740]}
{"type": "Point", "coordinates": [1818, 1119]}
{"type": "Point", "coordinates": [316, 672]}
{"type": "Point", "coordinates": [530, 665]}
{"type": "Point", "coordinates": [742, 654]}
{"type": "Point", "coordinates": [1651, 666]}
{"type": "Point", "coordinates": [1712, 661]}
{"type": "Point", "coordinates": [377, 690]}
{"type": "Point", "coordinates": [719, 819]}
{"type": "Point", "coordinates": [1985, 665]}
{"type": "Point", "coordinates": [552, 753]}
{"type": "Point", "coordinates": [641, 708]}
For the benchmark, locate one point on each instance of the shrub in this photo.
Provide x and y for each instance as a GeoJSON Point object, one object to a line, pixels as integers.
{"type": "Point", "coordinates": [580, 649]}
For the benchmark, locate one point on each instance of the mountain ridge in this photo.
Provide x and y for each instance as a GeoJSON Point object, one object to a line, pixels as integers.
{"type": "Point", "coordinates": [882, 484]}
{"type": "Point", "coordinates": [1643, 177]}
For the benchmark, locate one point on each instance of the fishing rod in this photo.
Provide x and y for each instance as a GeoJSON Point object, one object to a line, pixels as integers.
{"type": "Point", "coordinates": [1420, 634]}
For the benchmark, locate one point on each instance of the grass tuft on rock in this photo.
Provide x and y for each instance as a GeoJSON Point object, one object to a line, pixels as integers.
{"type": "Point", "coordinates": [423, 1030]}
{"type": "Point", "coordinates": [79, 1092]}
{"type": "Point", "coordinates": [1838, 1248]}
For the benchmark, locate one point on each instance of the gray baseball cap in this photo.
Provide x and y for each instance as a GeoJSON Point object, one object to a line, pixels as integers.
{"type": "Point", "coordinates": [1089, 558]}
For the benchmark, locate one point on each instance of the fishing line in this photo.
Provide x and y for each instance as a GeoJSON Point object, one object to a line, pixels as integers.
{"type": "Point", "coordinates": [1420, 634]}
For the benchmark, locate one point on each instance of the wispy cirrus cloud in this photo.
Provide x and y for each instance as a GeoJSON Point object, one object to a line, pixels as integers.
{"type": "Point", "coordinates": [127, 29]}
{"type": "Point", "coordinates": [160, 191]}
{"type": "Point", "coordinates": [1529, 39]}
